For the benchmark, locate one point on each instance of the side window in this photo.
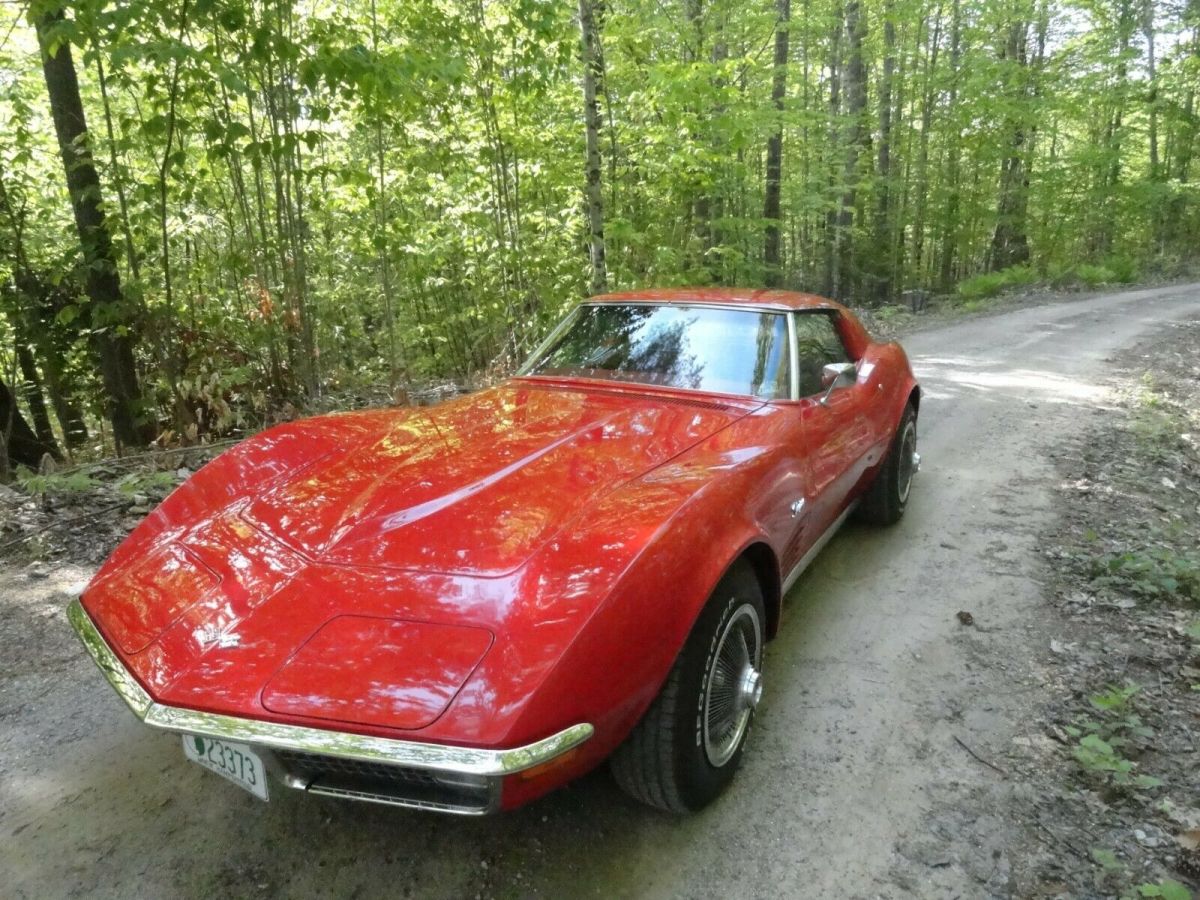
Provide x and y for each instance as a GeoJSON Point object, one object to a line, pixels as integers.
{"type": "Point", "coordinates": [818, 344]}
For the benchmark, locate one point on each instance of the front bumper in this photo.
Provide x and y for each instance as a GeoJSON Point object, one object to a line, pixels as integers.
{"type": "Point", "coordinates": [439, 777]}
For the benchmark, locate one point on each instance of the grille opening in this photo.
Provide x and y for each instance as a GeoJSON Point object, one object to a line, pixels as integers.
{"type": "Point", "coordinates": [394, 785]}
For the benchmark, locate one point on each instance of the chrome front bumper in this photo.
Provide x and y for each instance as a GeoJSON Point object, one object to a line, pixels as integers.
{"type": "Point", "coordinates": [428, 763]}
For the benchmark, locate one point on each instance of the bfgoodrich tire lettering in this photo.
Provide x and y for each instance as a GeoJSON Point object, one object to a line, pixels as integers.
{"type": "Point", "coordinates": [680, 756]}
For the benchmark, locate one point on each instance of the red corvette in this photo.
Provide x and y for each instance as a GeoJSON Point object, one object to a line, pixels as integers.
{"type": "Point", "coordinates": [461, 607]}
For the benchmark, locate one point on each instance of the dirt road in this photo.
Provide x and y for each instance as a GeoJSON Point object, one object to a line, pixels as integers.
{"type": "Point", "coordinates": [842, 794]}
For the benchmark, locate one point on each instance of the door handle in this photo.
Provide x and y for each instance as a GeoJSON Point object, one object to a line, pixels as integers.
{"type": "Point", "coordinates": [798, 507]}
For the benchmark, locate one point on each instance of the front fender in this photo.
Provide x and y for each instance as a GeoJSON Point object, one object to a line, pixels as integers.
{"type": "Point", "coordinates": [700, 513]}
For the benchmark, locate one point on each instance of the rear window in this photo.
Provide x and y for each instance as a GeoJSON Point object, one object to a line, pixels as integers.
{"type": "Point", "coordinates": [730, 351]}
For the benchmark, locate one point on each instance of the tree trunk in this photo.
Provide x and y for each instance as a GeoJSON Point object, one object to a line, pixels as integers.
{"type": "Point", "coordinates": [381, 223]}
{"type": "Point", "coordinates": [593, 194]}
{"type": "Point", "coordinates": [835, 131]}
{"type": "Point", "coordinates": [111, 334]}
{"type": "Point", "coordinates": [22, 445]}
{"type": "Point", "coordinates": [126, 229]}
{"type": "Point", "coordinates": [922, 178]}
{"type": "Point", "coordinates": [1152, 94]}
{"type": "Point", "coordinates": [1010, 246]}
{"type": "Point", "coordinates": [1109, 175]}
{"type": "Point", "coordinates": [771, 202]}
{"type": "Point", "coordinates": [854, 87]}
{"type": "Point", "coordinates": [66, 407]}
{"type": "Point", "coordinates": [31, 387]}
{"type": "Point", "coordinates": [883, 277]}
{"type": "Point", "coordinates": [949, 248]}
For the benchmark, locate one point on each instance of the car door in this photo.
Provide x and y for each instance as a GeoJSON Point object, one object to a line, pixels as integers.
{"type": "Point", "coordinates": [835, 428]}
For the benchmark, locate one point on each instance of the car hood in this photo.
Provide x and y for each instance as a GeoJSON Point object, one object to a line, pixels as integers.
{"type": "Point", "coordinates": [478, 485]}
{"type": "Point", "coordinates": [358, 568]}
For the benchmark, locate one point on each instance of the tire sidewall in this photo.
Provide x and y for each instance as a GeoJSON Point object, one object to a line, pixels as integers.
{"type": "Point", "coordinates": [908, 420]}
{"type": "Point", "coordinates": [699, 780]}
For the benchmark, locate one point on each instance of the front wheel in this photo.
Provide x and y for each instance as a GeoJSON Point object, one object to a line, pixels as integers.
{"type": "Point", "coordinates": [688, 746]}
{"type": "Point", "coordinates": [886, 498]}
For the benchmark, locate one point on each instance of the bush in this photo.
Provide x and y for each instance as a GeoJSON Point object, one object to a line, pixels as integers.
{"type": "Point", "coordinates": [991, 284]}
{"type": "Point", "coordinates": [1154, 573]}
{"type": "Point", "coordinates": [1123, 269]}
{"type": "Point", "coordinates": [1113, 270]}
{"type": "Point", "coordinates": [981, 286]}
{"type": "Point", "coordinates": [1093, 275]}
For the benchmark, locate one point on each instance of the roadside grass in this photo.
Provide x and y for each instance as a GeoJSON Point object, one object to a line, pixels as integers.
{"type": "Point", "coordinates": [1114, 270]}
{"type": "Point", "coordinates": [1129, 575]}
{"type": "Point", "coordinates": [992, 284]}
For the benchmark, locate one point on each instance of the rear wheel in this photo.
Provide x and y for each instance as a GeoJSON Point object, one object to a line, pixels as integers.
{"type": "Point", "coordinates": [885, 500]}
{"type": "Point", "coordinates": [688, 746]}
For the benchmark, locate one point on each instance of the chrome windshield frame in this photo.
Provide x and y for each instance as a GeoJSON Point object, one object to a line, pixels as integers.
{"type": "Point", "coordinates": [788, 314]}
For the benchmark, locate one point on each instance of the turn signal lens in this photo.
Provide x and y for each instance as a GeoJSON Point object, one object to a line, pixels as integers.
{"type": "Point", "coordinates": [548, 766]}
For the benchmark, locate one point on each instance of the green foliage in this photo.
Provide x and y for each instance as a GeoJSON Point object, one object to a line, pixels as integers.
{"type": "Point", "coordinates": [981, 287]}
{"type": "Point", "coordinates": [1167, 889]}
{"type": "Point", "coordinates": [1112, 270]}
{"type": "Point", "coordinates": [73, 482]}
{"type": "Point", "coordinates": [1099, 744]}
{"type": "Point", "coordinates": [1152, 573]}
{"type": "Point", "coordinates": [1094, 275]}
{"type": "Point", "coordinates": [307, 199]}
{"type": "Point", "coordinates": [992, 284]}
{"type": "Point", "coordinates": [1114, 699]}
{"type": "Point", "coordinates": [1101, 759]}
{"type": "Point", "coordinates": [146, 482]}
{"type": "Point", "coordinates": [1123, 269]}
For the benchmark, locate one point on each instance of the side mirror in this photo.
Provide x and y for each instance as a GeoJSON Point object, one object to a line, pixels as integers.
{"type": "Point", "coordinates": [836, 375]}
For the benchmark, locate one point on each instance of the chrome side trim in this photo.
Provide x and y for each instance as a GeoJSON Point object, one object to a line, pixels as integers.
{"type": "Point", "coordinates": [816, 548]}
{"type": "Point", "coordinates": [697, 302]}
{"type": "Point", "coordinates": [405, 803]}
{"type": "Point", "coordinates": [793, 359]}
{"type": "Point", "coordinates": [116, 673]}
{"type": "Point", "coordinates": [548, 341]}
{"type": "Point", "coordinates": [436, 757]}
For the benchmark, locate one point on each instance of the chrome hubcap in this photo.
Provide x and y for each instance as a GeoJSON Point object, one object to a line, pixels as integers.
{"type": "Point", "coordinates": [749, 688]}
{"type": "Point", "coordinates": [733, 687]}
{"type": "Point", "coordinates": [910, 461]}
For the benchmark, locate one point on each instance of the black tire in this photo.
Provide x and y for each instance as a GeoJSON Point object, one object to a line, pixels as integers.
{"type": "Point", "coordinates": [667, 760]}
{"type": "Point", "coordinates": [886, 498]}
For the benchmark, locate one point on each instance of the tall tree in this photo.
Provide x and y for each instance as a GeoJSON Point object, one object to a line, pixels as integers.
{"type": "Point", "coordinates": [593, 74]}
{"type": "Point", "coordinates": [948, 256]}
{"type": "Point", "coordinates": [19, 444]}
{"type": "Point", "coordinates": [882, 273]}
{"type": "Point", "coordinates": [855, 138]}
{"type": "Point", "coordinates": [1010, 245]}
{"type": "Point", "coordinates": [112, 327]}
{"type": "Point", "coordinates": [408, 190]}
{"type": "Point", "coordinates": [774, 173]}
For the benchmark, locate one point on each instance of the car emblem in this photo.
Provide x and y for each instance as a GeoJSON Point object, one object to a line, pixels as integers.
{"type": "Point", "coordinates": [211, 634]}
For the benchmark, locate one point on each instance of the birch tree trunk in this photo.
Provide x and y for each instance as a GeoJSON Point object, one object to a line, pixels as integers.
{"type": "Point", "coordinates": [593, 195]}
{"type": "Point", "coordinates": [771, 201]}
{"type": "Point", "coordinates": [857, 136]}
{"type": "Point", "coordinates": [883, 278]}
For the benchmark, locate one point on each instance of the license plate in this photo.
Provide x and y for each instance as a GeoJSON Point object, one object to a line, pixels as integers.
{"type": "Point", "coordinates": [237, 762]}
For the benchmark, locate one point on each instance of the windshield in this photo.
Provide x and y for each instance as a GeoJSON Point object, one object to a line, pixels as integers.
{"type": "Point", "coordinates": [730, 351]}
